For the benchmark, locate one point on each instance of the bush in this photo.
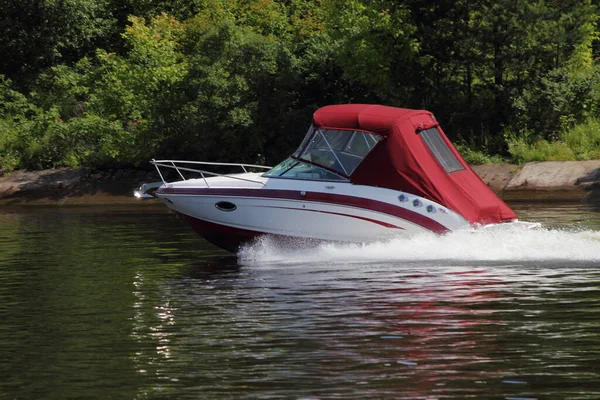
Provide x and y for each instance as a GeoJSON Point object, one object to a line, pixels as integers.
{"type": "Point", "coordinates": [9, 157]}
{"type": "Point", "coordinates": [88, 141]}
{"type": "Point", "coordinates": [19, 119]}
{"type": "Point", "coordinates": [555, 103]}
{"type": "Point", "coordinates": [473, 156]}
{"type": "Point", "coordinates": [581, 142]}
{"type": "Point", "coordinates": [584, 139]}
{"type": "Point", "coordinates": [541, 150]}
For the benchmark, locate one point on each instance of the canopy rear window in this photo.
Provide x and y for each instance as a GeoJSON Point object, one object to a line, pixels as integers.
{"type": "Point", "coordinates": [440, 150]}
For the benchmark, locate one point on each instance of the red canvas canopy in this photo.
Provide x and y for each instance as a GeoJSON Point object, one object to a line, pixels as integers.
{"type": "Point", "coordinates": [404, 161]}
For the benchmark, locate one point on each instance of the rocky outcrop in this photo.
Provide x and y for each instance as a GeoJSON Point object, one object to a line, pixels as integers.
{"type": "Point", "coordinates": [548, 180]}
{"type": "Point", "coordinates": [496, 176]}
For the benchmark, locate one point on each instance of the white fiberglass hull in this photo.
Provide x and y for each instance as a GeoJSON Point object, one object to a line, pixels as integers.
{"type": "Point", "coordinates": [229, 212]}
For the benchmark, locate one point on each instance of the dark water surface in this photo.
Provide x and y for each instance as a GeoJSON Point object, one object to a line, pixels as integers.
{"type": "Point", "coordinates": [127, 303]}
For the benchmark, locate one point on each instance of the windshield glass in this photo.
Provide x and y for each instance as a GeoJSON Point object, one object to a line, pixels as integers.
{"type": "Point", "coordinates": [339, 150]}
{"type": "Point", "coordinates": [334, 149]}
{"type": "Point", "coordinates": [294, 169]}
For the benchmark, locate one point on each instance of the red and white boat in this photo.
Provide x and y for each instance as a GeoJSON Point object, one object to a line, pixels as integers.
{"type": "Point", "coordinates": [362, 173]}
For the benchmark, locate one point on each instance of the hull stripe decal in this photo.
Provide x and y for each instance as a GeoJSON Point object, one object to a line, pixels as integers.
{"type": "Point", "coordinates": [337, 199]}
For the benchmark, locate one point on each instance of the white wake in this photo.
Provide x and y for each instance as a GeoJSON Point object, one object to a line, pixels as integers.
{"type": "Point", "coordinates": [502, 243]}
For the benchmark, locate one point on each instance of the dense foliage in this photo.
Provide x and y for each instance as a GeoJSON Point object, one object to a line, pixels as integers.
{"type": "Point", "coordinates": [116, 82]}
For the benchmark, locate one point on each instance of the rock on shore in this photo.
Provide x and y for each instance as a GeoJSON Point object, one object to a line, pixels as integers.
{"type": "Point", "coordinates": [548, 181]}
{"type": "Point", "coordinates": [74, 187]}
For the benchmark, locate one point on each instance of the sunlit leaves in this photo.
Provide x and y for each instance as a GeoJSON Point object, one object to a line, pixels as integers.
{"type": "Point", "coordinates": [122, 81]}
{"type": "Point", "coordinates": [373, 42]}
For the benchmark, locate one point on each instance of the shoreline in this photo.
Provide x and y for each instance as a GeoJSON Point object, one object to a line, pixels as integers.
{"type": "Point", "coordinates": [561, 181]}
{"type": "Point", "coordinates": [66, 187]}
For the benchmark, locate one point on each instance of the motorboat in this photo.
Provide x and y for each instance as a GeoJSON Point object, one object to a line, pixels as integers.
{"type": "Point", "coordinates": [362, 173]}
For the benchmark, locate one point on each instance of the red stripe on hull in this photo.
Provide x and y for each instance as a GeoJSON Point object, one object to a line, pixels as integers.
{"type": "Point", "coordinates": [343, 200]}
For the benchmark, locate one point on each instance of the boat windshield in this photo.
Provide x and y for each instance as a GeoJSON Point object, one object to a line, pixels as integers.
{"type": "Point", "coordinates": [294, 169]}
{"type": "Point", "coordinates": [339, 151]}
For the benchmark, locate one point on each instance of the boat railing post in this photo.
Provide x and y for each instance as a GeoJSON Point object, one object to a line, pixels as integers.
{"type": "Point", "coordinates": [177, 169]}
{"type": "Point", "coordinates": [158, 170]}
{"type": "Point", "coordinates": [203, 177]}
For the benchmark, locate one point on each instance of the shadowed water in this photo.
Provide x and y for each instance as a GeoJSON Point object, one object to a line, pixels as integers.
{"type": "Point", "coordinates": [129, 303]}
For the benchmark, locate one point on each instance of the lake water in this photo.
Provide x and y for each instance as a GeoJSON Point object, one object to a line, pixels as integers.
{"type": "Point", "coordinates": [128, 303]}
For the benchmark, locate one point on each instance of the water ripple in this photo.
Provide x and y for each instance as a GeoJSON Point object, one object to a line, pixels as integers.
{"type": "Point", "coordinates": [132, 305]}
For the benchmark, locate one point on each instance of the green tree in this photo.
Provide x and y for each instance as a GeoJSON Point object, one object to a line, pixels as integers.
{"type": "Point", "coordinates": [37, 34]}
{"type": "Point", "coordinates": [218, 106]}
{"type": "Point", "coordinates": [373, 44]}
{"type": "Point", "coordinates": [477, 59]}
{"type": "Point", "coordinates": [112, 82]}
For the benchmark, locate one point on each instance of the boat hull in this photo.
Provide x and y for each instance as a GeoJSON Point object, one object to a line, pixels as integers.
{"type": "Point", "coordinates": [231, 216]}
{"type": "Point", "coordinates": [232, 239]}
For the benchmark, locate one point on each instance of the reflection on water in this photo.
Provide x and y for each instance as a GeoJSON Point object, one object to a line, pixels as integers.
{"type": "Point", "coordinates": [563, 216]}
{"type": "Point", "coordinates": [129, 303]}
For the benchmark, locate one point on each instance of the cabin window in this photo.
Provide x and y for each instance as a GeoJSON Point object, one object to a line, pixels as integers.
{"type": "Point", "coordinates": [440, 150]}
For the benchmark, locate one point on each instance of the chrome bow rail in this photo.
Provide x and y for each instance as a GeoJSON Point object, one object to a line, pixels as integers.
{"type": "Point", "coordinates": [146, 190]}
{"type": "Point", "coordinates": [177, 165]}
